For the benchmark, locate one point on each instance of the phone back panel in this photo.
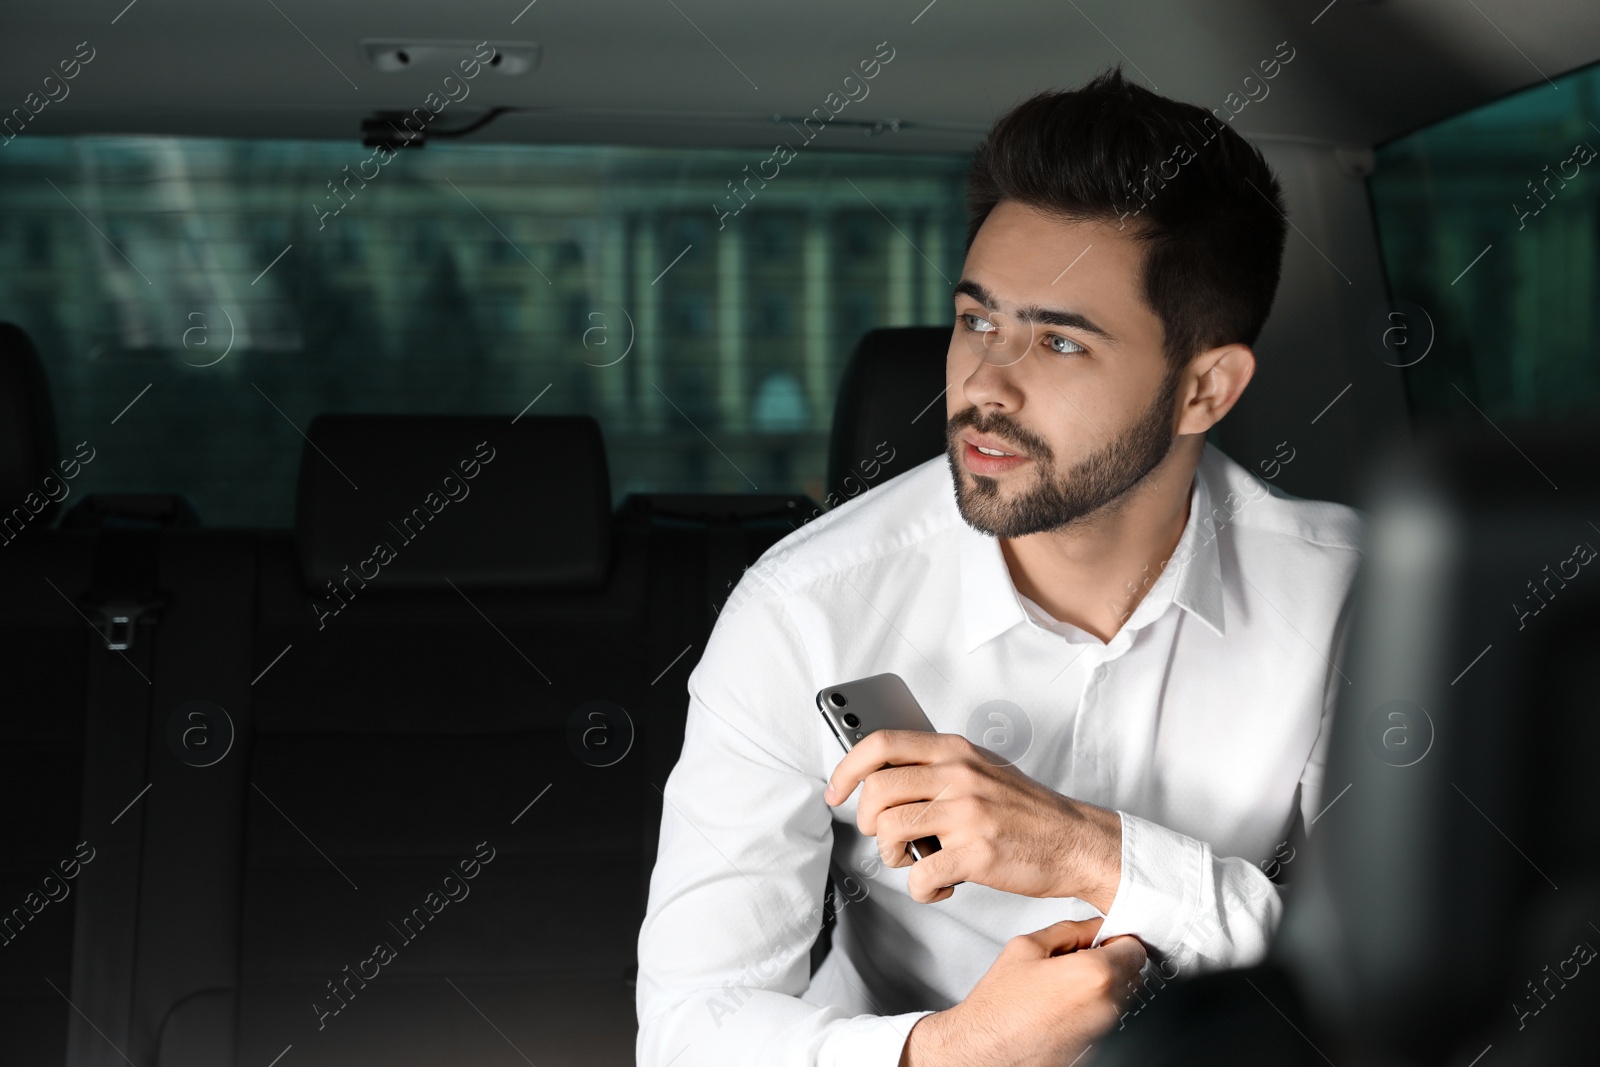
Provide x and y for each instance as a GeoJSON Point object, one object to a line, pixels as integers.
{"type": "Point", "coordinates": [881, 702]}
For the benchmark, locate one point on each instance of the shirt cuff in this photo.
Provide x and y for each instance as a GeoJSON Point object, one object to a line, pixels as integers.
{"type": "Point", "coordinates": [870, 1041]}
{"type": "Point", "coordinates": [1159, 894]}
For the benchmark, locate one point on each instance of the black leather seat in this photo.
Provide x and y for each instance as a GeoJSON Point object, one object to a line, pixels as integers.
{"type": "Point", "coordinates": [889, 414]}
{"type": "Point", "coordinates": [28, 447]}
{"type": "Point", "coordinates": [454, 601]}
{"type": "Point", "coordinates": [478, 687]}
{"type": "Point", "coordinates": [43, 643]}
{"type": "Point", "coordinates": [509, 684]}
{"type": "Point", "coordinates": [141, 924]}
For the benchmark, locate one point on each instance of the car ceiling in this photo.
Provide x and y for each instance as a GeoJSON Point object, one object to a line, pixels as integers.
{"type": "Point", "coordinates": [709, 72]}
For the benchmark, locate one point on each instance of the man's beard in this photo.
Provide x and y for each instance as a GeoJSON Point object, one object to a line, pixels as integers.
{"type": "Point", "coordinates": [1053, 501]}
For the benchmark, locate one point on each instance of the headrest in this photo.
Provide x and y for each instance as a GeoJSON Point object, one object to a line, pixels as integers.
{"type": "Point", "coordinates": [421, 501]}
{"type": "Point", "coordinates": [891, 391]}
{"type": "Point", "coordinates": [132, 511]}
{"type": "Point", "coordinates": [28, 449]}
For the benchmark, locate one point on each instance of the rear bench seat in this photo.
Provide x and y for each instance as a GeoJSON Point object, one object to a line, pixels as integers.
{"type": "Point", "coordinates": [472, 704]}
{"type": "Point", "coordinates": [413, 717]}
{"type": "Point", "coordinates": [380, 739]}
{"type": "Point", "coordinates": [100, 852]}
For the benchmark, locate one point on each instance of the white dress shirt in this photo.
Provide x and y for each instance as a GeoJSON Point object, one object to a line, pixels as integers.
{"type": "Point", "coordinates": [1202, 722]}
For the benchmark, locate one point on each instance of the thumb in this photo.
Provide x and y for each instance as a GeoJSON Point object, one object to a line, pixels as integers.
{"type": "Point", "coordinates": [1126, 952]}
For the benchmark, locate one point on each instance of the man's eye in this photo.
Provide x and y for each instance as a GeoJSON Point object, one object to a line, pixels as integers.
{"type": "Point", "coordinates": [977, 324]}
{"type": "Point", "coordinates": [1056, 343]}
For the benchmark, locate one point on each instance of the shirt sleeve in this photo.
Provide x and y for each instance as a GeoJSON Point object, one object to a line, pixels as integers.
{"type": "Point", "coordinates": [1198, 911]}
{"type": "Point", "coordinates": [736, 894]}
{"type": "Point", "coordinates": [1195, 909]}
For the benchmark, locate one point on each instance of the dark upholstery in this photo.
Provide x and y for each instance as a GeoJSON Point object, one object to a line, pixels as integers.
{"type": "Point", "coordinates": [28, 447]}
{"type": "Point", "coordinates": [891, 391]}
{"type": "Point", "coordinates": [139, 511]}
{"type": "Point", "coordinates": [379, 733]}
{"type": "Point", "coordinates": [421, 720]}
{"type": "Point", "coordinates": [536, 514]}
{"type": "Point", "coordinates": [43, 643]}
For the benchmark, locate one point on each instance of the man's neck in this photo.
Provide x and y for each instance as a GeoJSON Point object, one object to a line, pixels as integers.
{"type": "Point", "coordinates": [1093, 574]}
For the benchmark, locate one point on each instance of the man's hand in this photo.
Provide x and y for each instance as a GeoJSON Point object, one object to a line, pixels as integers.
{"type": "Point", "coordinates": [1041, 1003]}
{"type": "Point", "coordinates": [996, 826]}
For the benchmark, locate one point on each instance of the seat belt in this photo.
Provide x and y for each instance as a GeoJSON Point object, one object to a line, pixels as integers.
{"type": "Point", "coordinates": [123, 605]}
{"type": "Point", "coordinates": [186, 976]}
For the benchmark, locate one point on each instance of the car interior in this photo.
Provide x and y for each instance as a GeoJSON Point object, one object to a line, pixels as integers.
{"type": "Point", "coordinates": [251, 318]}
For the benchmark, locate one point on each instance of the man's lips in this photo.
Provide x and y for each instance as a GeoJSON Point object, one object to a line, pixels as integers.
{"type": "Point", "coordinates": [978, 440]}
{"type": "Point", "coordinates": [981, 463]}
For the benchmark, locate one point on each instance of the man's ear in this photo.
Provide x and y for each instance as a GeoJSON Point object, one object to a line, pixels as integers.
{"type": "Point", "coordinates": [1214, 381]}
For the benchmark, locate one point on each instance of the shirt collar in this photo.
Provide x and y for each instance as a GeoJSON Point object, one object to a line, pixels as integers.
{"type": "Point", "coordinates": [1199, 564]}
{"type": "Point", "coordinates": [989, 601]}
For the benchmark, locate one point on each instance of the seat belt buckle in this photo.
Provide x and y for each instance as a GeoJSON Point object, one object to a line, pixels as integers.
{"type": "Point", "coordinates": [116, 620]}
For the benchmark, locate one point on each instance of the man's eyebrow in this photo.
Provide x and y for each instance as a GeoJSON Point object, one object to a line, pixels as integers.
{"type": "Point", "coordinates": [971, 288]}
{"type": "Point", "coordinates": [1043, 316]}
{"type": "Point", "coordinates": [1070, 319]}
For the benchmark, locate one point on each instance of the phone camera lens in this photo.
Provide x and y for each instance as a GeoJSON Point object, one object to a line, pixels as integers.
{"type": "Point", "coordinates": [851, 721]}
{"type": "Point", "coordinates": [837, 700]}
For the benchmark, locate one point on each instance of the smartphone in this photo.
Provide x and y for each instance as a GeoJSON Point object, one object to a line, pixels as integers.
{"type": "Point", "coordinates": [882, 702]}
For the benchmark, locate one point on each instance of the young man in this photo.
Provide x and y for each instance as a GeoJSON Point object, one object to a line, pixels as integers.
{"type": "Point", "coordinates": [1083, 568]}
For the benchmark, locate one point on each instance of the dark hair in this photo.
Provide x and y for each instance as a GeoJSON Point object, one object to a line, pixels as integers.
{"type": "Point", "coordinates": [1215, 228]}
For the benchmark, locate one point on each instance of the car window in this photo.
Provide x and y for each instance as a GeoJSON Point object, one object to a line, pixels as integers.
{"type": "Point", "coordinates": [217, 294]}
{"type": "Point", "coordinates": [1491, 243]}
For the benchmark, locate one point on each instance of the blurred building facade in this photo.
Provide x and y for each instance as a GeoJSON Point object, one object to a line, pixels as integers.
{"type": "Point", "coordinates": [253, 285]}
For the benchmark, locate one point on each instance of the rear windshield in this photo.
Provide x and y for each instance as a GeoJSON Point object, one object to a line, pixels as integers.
{"type": "Point", "coordinates": [197, 302]}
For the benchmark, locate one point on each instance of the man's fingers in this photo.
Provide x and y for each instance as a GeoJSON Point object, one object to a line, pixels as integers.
{"type": "Point", "coordinates": [902, 820]}
{"type": "Point", "coordinates": [1069, 935]}
{"type": "Point", "coordinates": [895, 747]}
{"type": "Point", "coordinates": [1126, 953]}
{"type": "Point", "coordinates": [936, 872]}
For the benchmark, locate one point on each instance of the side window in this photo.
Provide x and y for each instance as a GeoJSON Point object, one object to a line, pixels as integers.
{"type": "Point", "coordinates": [1489, 224]}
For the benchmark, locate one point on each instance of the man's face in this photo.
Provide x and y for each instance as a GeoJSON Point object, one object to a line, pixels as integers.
{"type": "Point", "coordinates": [1057, 358]}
